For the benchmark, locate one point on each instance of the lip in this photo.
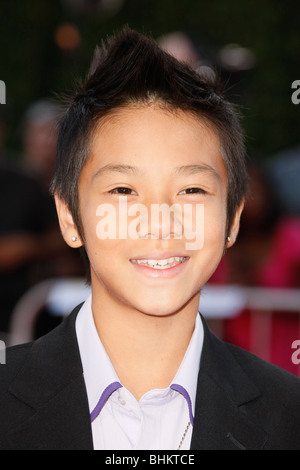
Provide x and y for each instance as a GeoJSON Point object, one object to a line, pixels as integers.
{"type": "Point", "coordinates": [160, 273]}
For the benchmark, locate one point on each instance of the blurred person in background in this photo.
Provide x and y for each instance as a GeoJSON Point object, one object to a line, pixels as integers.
{"type": "Point", "coordinates": [179, 45]}
{"type": "Point", "coordinates": [284, 172]}
{"type": "Point", "coordinates": [267, 255]}
{"type": "Point", "coordinates": [24, 226]}
{"type": "Point", "coordinates": [39, 136]}
{"type": "Point", "coordinates": [31, 247]}
{"type": "Point", "coordinates": [182, 47]}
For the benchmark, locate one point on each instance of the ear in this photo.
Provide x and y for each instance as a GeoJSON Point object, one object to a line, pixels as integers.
{"type": "Point", "coordinates": [67, 225]}
{"type": "Point", "coordinates": [235, 226]}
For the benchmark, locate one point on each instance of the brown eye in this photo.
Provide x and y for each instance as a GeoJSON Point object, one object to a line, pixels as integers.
{"type": "Point", "coordinates": [122, 190]}
{"type": "Point", "coordinates": [193, 191]}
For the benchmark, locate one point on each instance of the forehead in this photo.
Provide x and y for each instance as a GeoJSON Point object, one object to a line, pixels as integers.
{"type": "Point", "coordinates": [152, 136]}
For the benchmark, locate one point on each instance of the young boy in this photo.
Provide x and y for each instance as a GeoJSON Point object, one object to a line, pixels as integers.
{"type": "Point", "coordinates": [150, 182]}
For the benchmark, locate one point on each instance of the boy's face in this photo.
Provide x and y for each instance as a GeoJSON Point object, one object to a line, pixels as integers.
{"type": "Point", "coordinates": [141, 158]}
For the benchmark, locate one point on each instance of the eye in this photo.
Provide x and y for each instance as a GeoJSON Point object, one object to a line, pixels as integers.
{"type": "Point", "coordinates": [193, 191]}
{"type": "Point", "coordinates": [122, 190]}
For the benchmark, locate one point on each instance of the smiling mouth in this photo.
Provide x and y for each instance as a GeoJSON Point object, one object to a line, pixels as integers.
{"type": "Point", "coordinates": [160, 263]}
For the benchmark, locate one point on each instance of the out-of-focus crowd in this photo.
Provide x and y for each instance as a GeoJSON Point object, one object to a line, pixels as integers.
{"type": "Point", "coordinates": [31, 245]}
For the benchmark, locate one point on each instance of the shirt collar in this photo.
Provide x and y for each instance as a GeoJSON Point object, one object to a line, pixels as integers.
{"type": "Point", "coordinates": [186, 379]}
{"type": "Point", "coordinates": [102, 381]}
{"type": "Point", "coordinates": [92, 352]}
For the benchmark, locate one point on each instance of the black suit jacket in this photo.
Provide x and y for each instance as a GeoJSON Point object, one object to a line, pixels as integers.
{"type": "Point", "coordinates": [242, 402]}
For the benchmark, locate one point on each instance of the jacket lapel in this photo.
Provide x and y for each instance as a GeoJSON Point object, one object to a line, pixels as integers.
{"type": "Point", "coordinates": [223, 394]}
{"type": "Point", "coordinates": [59, 413]}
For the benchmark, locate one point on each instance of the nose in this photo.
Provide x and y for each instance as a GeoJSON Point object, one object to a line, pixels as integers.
{"type": "Point", "coordinates": [161, 220]}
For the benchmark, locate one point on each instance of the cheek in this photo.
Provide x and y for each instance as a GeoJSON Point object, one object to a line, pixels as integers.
{"type": "Point", "coordinates": [215, 223]}
{"type": "Point", "coordinates": [107, 260]}
{"type": "Point", "coordinates": [209, 256]}
{"type": "Point", "coordinates": [215, 228]}
{"type": "Point", "coordinates": [105, 250]}
{"type": "Point", "coordinates": [214, 237]}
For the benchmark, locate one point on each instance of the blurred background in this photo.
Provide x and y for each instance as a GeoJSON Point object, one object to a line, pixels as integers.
{"type": "Point", "coordinates": [45, 45]}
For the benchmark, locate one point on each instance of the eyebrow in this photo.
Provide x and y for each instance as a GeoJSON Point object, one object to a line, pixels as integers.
{"type": "Point", "coordinates": [116, 169]}
{"type": "Point", "coordinates": [185, 169]}
{"type": "Point", "coordinates": [194, 169]}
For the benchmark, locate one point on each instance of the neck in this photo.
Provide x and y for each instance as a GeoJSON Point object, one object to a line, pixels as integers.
{"type": "Point", "coordinates": [145, 350]}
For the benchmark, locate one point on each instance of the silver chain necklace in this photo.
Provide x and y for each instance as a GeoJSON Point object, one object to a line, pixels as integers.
{"type": "Point", "coordinates": [184, 434]}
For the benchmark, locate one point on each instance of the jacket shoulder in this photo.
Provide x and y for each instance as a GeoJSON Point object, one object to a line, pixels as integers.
{"type": "Point", "coordinates": [35, 374]}
{"type": "Point", "coordinates": [10, 413]}
{"type": "Point", "coordinates": [277, 409]}
{"type": "Point", "coordinates": [241, 395]}
{"type": "Point", "coordinates": [268, 375]}
{"type": "Point", "coordinates": [15, 358]}
{"type": "Point", "coordinates": [23, 357]}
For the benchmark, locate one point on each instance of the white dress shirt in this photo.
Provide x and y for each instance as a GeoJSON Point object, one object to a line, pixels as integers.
{"type": "Point", "coordinates": [119, 422]}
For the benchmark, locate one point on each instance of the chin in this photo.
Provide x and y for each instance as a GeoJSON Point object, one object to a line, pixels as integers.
{"type": "Point", "coordinates": [163, 309]}
{"type": "Point", "coordinates": [161, 314]}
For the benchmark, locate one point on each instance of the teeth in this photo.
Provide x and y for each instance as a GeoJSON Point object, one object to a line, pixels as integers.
{"type": "Point", "coordinates": [151, 262]}
{"type": "Point", "coordinates": [160, 263]}
{"type": "Point", "coordinates": [164, 262]}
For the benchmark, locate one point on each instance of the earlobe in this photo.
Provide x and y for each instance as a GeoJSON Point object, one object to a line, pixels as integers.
{"type": "Point", "coordinates": [66, 223]}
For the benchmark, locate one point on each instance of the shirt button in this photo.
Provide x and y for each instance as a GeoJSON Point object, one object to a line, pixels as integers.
{"type": "Point", "coordinates": [121, 400]}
